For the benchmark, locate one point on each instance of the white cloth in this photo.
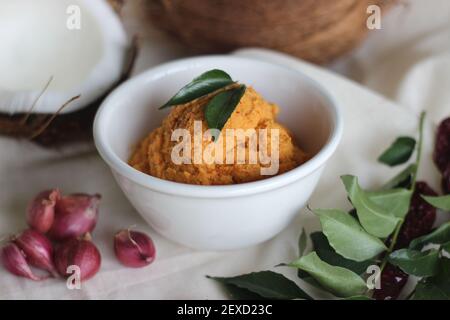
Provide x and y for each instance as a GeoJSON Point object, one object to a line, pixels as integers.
{"type": "Point", "coordinates": [408, 60]}
{"type": "Point", "coordinates": [371, 123]}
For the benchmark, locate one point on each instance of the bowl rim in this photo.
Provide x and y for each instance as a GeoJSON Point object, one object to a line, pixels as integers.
{"type": "Point", "coordinates": [213, 191]}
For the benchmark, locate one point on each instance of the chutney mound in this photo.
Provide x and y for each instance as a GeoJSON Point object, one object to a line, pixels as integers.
{"type": "Point", "coordinates": [153, 154]}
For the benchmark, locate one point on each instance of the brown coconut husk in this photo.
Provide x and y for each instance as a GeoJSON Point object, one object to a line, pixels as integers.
{"type": "Point", "coordinates": [55, 130]}
{"type": "Point", "coordinates": [315, 30]}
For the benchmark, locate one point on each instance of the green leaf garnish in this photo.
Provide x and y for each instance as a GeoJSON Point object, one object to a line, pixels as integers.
{"type": "Point", "coordinates": [440, 235]}
{"type": "Point", "coordinates": [436, 287]}
{"type": "Point", "coordinates": [420, 264]}
{"type": "Point", "coordinates": [403, 179]}
{"type": "Point", "coordinates": [302, 242]}
{"type": "Point", "coordinates": [339, 281]}
{"type": "Point", "coordinates": [347, 237]}
{"type": "Point", "coordinates": [220, 108]}
{"type": "Point", "coordinates": [329, 255]}
{"type": "Point", "coordinates": [442, 202]}
{"type": "Point", "coordinates": [360, 297]}
{"type": "Point", "coordinates": [394, 201]}
{"type": "Point", "coordinates": [236, 293]}
{"type": "Point", "coordinates": [399, 152]}
{"type": "Point", "coordinates": [427, 289]}
{"type": "Point", "coordinates": [375, 219]}
{"type": "Point", "coordinates": [446, 247]}
{"type": "Point", "coordinates": [204, 84]}
{"type": "Point", "coordinates": [266, 284]}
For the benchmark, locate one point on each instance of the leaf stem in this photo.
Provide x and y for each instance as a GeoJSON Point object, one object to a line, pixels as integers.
{"type": "Point", "coordinates": [413, 186]}
{"type": "Point", "coordinates": [419, 150]}
{"type": "Point", "coordinates": [392, 245]}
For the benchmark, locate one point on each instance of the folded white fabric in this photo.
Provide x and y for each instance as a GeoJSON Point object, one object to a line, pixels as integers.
{"type": "Point", "coordinates": [408, 60]}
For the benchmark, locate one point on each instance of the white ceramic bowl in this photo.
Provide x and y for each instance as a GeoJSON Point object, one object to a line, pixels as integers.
{"type": "Point", "coordinates": [218, 217]}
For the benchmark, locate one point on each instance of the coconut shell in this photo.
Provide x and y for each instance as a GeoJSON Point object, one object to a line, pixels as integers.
{"type": "Point", "coordinates": [315, 30]}
{"type": "Point", "coordinates": [55, 130]}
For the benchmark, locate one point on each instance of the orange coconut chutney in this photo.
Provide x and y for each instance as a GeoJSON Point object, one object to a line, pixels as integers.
{"type": "Point", "coordinates": [153, 154]}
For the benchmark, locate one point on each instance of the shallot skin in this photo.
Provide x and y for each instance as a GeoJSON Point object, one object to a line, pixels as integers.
{"type": "Point", "coordinates": [41, 210]}
{"type": "Point", "coordinates": [75, 215]}
{"type": "Point", "coordinates": [134, 249]}
{"type": "Point", "coordinates": [81, 253]}
{"type": "Point", "coordinates": [38, 250]}
{"type": "Point", "coordinates": [14, 261]}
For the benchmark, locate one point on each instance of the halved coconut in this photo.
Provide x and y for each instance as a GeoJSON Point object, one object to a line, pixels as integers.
{"type": "Point", "coordinates": [80, 44]}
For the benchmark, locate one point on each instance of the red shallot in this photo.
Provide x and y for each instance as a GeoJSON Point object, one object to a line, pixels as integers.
{"type": "Point", "coordinates": [14, 261]}
{"type": "Point", "coordinates": [81, 253]}
{"type": "Point", "coordinates": [38, 250]}
{"type": "Point", "coordinates": [134, 249]}
{"type": "Point", "coordinates": [41, 210]}
{"type": "Point", "coordinates": [75, 215]}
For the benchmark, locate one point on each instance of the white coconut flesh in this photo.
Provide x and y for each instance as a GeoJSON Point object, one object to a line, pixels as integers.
{"type": "Point", "coordinates": [40, 40]}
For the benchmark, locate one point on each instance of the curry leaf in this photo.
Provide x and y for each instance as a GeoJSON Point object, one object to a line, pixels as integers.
{"type": "Point", "coordinates": [329, 255]}
{"type": "Point", "coordinates": [339, 281]}
{"type": "Point", "coordinates": [266, 284]}
{"type": "Point", "coordinates": [399, 152]}
{"type": "Point", "coordinates": [442, 202]}
{"type": "Point", "coordinates": [236, 293]}
{"type": "Point", "coordinates": [375, 219]}
{"type": "Point", "coordinates": [394, 201]}
{"type": "Point", "coordinates": [204, 84]}
{"type": "Point", "coordinates": [403, 179]}
{"type": "Point", "coordinates": [420, 264]}
{"type": "Point", "coordinates": [446, 247]}
{"type": "Point", "coordinates": [443, 275]}
{"type": "Point", "coordinates": [427, 289]}
{"type": "Point", "coordinates": [302, 242]}
{"type": "Point", "coordinates": [359, 297]}
{"type": "Point", "coordinates": [436, 287]}
{"type": "Point", "coordinates": [347, 237]}
{"type": "Point", "coordinates": [440, 235]}
{"type": "Point", "coordinates": [220, 108]}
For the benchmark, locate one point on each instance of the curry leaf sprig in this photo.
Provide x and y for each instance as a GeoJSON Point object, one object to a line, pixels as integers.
{"type": "Point", "coordinates": [351, 243]}
{"type": "Point", "coordinates": [216, 85]}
